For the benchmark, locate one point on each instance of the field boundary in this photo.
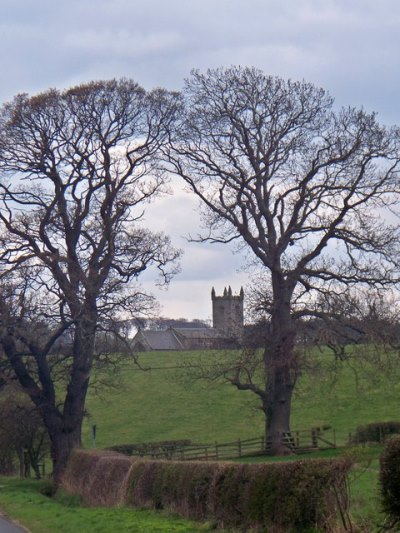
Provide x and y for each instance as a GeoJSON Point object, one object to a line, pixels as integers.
{"type": "Point", "coordinates": [300, 441]}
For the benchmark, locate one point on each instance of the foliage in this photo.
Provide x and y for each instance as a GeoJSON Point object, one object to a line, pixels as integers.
{"type": "Point", "coordinates": [375, 432]}
{"type": "Point", "coordinates": [161, 323]}
{"type": "Point", "coordinates": [389, 479]}
{"type": "Point", "coordinates": [147, 448]}
{"type": "Point", "coordinates": [23, 436]}
{"type": "Point", "coordinates": [287, 497]}
{"type": "Point", "coordinates": [97, 476]}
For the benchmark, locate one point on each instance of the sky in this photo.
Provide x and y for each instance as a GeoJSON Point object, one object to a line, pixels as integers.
{"type": "Point", "coordinates": [349, 47]}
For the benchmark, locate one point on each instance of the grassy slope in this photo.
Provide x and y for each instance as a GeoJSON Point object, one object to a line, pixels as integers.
{"type": "Point", "coordinates": [156, 405]}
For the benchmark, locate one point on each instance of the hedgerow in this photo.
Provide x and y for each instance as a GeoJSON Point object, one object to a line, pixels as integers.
{"type": "Point", "coordinates": [389, 478]}
{"type": "Point", "coordinates": [292, 496]}
{"type": "Point", "coordinates": [98, 477]}
{"type": "Point", "coordinates": [147, 448]}
{"type": "Point", "coordinates": [375, 432]}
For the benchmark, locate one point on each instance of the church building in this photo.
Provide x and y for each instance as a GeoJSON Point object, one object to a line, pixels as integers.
{"type": "Point", "coordinates": [227, 312]}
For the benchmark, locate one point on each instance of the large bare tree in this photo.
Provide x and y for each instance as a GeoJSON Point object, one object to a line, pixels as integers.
{"type": "Point", "coordinates": [304, 188]}
{"type": "Point", "coordinates": [77, 168]}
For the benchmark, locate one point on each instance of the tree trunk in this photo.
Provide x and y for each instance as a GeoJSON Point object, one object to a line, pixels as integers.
{"type": "Point", "coordinates": [62, 445]}
{"type": "Point", "coordinates": [20, 453]}
{"type": "Point", "coordinates": [280, 369]}
{"type": "Point", "coordinates": [36, 468]}
{"type": "Point", "coordinates": [277, 408]}
{"type": "Point", "coordinates": [65, 427]}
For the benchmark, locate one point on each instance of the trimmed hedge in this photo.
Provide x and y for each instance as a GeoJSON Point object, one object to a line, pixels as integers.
{"type": "Point", "coordinates": [291, 496]}
{"type": "Point", "coordinates": [97, 476]}
{"type": "Point", "coordinates": [375, 432]}
{"type": "Point", "coordinates": [389, 478]}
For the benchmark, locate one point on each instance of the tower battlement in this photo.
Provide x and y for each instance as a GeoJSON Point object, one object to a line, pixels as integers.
{"type": "Point", "coordinates": [228, 311]}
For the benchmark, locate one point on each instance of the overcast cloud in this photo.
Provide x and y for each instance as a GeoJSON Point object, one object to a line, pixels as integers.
{"type": "Point", "coordinates": [349, 47]}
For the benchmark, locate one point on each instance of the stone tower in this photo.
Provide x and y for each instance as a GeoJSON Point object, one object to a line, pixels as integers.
{"type": "Point", "coordinates": [228, 312]}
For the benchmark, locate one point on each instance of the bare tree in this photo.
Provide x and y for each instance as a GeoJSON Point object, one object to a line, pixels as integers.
{"type": "Point", "coordinates": [77, 168]}
{"type": "Point", "coordinates": [306, 189]}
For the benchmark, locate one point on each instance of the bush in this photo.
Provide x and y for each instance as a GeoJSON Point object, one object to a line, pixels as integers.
{"type": "Point", "coordinates": [149, 448]}
{"type": "Point", "coordinates": [97, 476]}
{"type": "Point", "coordinates": [389, 478]}
{"type": "Point", "coordinates": [182, 487]}
{"type": "Point", "coordinates": [23, 438]}
{"type": "Point", "coordinates": [292, 496]}
{"type": "Point", "coordinates": [375, 432]}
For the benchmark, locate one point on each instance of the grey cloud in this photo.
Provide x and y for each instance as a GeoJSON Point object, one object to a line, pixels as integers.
{"type": "Point", "coordinates": [351, 48]}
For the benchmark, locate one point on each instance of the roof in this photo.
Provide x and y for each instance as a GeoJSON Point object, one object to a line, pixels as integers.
{"type": "Point", "coordinates": [174, 338]}
{"type": "Point", "coordinates": [198, 333]}
{"type": "Point", "coordinates": [157, 339]}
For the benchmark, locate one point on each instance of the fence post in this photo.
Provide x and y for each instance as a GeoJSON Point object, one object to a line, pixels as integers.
{"type": "Point", "coordinates": [263, 443]}
{"type": "Point", "coordinates": [216, 451]}
{"type": "Point", "coordinates": [239, 448]}
{"type": "Point", "coordinates": [314, 441]}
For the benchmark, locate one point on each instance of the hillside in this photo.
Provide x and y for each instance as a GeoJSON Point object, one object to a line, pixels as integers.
{"type": "Point", "coordinates": [160, 404]}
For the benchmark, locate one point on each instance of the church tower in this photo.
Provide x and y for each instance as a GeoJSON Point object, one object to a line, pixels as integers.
{"type": "Point", "coordinates": [228, 312]}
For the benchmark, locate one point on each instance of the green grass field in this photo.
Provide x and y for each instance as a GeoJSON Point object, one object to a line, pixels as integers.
{"type": "Point", "coordinates": [163, 404]}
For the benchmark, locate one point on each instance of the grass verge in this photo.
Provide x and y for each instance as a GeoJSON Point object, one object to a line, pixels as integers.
{"type": "Point", "coordinates": [23, 501]}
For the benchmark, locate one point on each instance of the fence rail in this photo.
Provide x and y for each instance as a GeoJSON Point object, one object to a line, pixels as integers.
{"type": "Point", "coordinates": [300, 441]}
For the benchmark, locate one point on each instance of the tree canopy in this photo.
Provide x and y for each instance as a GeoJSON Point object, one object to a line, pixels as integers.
{"type": "Point", "coordinates": [77, 169]}
{"type": "Point", "coordinates": [309, 189]}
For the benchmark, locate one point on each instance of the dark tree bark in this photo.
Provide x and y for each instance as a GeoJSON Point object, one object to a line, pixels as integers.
{"type": "Point", "coordinates": [306, 189]}
{"type": "Point", "coordinates": [76, 169]}
{"type": "Point", "coordinates": [281, 365]}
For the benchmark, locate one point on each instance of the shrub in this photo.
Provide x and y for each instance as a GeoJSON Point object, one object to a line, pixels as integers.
{"type": "Point", "coordinates": [389, 478]}
{"type": "Point", "coordinates": [97, 476]}
{"type": "Point", "coordinates": [182, 487]}
{"type": "Point", "coordinates": [23, 438]}
{"type": "Point", "coordinates": [375, 432]}
{"type": "Point", "coordinates": [291, 496]}
{"type": "Point", "coordinates": [149, 448]}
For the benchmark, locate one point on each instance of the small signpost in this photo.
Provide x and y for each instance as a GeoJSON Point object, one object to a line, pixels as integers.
{"type": "Point", "coordinates": [94, 427]}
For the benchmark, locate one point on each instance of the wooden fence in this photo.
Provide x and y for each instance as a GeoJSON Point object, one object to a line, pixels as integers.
{"type": "Point", "coordinates": [301, 441]}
